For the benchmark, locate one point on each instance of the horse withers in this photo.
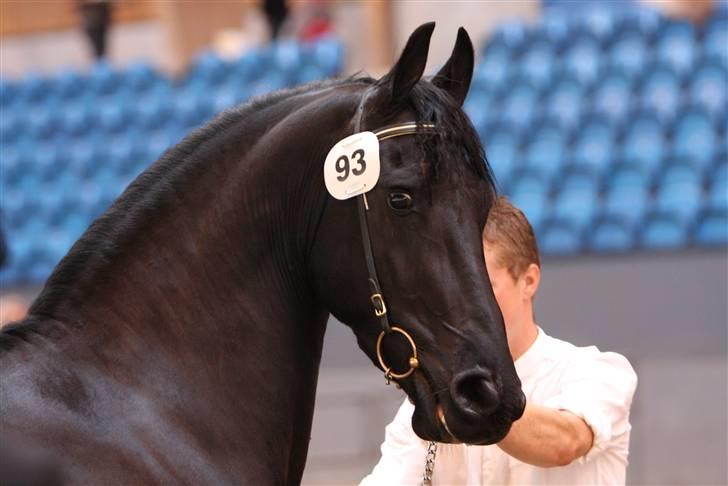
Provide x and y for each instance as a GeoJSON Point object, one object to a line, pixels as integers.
{"type": "Point", "coordinates": [179, 340]}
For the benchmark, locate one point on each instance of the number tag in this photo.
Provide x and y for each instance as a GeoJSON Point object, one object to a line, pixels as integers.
{"type": "Point", "coordinates": [352, 166]}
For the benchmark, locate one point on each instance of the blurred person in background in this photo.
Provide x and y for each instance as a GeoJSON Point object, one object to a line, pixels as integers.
{"type": "Point", "coordinates": [575, 428]}
{"type": "Point", "coordinates": [276, 12]}
{"type": "Point", "coordinates": [96, 18]}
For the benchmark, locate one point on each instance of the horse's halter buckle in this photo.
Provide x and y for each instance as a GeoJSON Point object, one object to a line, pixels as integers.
{"type": "Point", "coordinates": [377, 297]}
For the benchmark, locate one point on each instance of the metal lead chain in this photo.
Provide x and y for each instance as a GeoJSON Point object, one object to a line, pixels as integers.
{"type": "Point", "coordinates": [429, 463]}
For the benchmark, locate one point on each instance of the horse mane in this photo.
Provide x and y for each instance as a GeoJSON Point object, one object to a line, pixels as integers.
{"type": "Point", "coordinates": [455, 142]}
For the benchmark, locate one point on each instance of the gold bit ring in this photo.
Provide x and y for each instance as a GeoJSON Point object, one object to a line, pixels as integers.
{"type": "Point", "coordinates": [413, 361]}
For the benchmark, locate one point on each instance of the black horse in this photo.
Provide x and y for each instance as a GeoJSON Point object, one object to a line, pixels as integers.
{"type": "Point", "coordinates": [179, 340]}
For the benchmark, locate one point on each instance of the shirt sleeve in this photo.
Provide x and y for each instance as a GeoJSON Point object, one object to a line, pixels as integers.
{"type": "Point", "coordinates": [403, 453]}
{"type": "Point", "coordinates": [598, 388]}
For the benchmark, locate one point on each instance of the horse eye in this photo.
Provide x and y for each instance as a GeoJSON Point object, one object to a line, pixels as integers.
{"type": "Point", "coordinates": [399, 201]}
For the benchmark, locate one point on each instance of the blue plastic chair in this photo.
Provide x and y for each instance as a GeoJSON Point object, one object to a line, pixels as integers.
{"type": "Point", "coordinates": [644, 20]}
{"type": "Point", "coordinates": [576, 201]}
{"type": "Point", "coordinates": [559, 238]}
{"type": "Point", "coordinates": [708, 89]}
{"type": "Point", "coordinates": [629, 54]}
{"type": "Point", "coordinates": [663, 231]}
{"type": "Point", "coordinates": [612, 98]}
{"type": "Point", "coordinates": [480, 108]}
{"type": "Point", "coordinates": [694, 138]}
{"type": "Point", "coordinates": [8, 93]}
{"type": "Point", "coordinates": [68, 84]}
{"type": "Point", "coordinates": [582, 60]}
{"type": "Point", "coordinates": [564, 102]}
{"type": "Point", "coordinates": [492, 67]}
{"type": "Point", "coordinates": [328, 53]}
{"type": "Point", "coordinates": [661, 93]}
{"type": "Point", "coordinates": [715, 39]}
{"type": "Point", "coordinates": [536, 65]}
{"type": "Point", "coordinates": [593, 148]}
{"type": "Point", "coordinates": [680, 192]}
{"type": "Point", "coordinates": [519, 107]}
{"type": "Point", "coordinates": [610, 235]}
{"type": "Point", "coordinates": [545, 152]}
{"type": "Point", "coordinates": [33, 88]}
{"type": "Point", "coordinates": [627, 199]}
{"type": "Point", "coordinates": [11, 125]}
{"type": "Point", "coordinates": [644, 143]}
{"type": "Point", "coordinates": [529, 193]}
{"type": "Point", "coordinates": [104, 80]}
{"type": "Point", "coordinates": [718, 187]}
{"type": "Point", "coordinates": [208, 70]}
{"type": "Point", "coordinates": [502, 147]}
{"type": "Point", "coordinates": [676, 46]}
{"type": "Point", "coordinates": [554, 29]}
{"type": "Point", "coordinates": [712, 229]}
{"type": "Point", "coordinates": [139, 77]}
{"type": "Point", "coordinates": [599, 21]}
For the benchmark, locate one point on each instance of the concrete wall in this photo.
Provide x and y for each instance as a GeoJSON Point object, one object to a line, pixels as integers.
{"type": "Point", "coordinates": [666, 312]}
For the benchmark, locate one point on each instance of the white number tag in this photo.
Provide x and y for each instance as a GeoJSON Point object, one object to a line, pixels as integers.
{"type": "Point", "coordinates": [352, 166]}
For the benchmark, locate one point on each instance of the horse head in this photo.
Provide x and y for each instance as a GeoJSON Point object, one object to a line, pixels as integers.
{"type": "Point", "coordinates": [422, 308]}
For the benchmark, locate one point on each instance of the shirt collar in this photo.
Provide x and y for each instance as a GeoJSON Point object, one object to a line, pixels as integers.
{"type": "Point", "coordinates": [528, 362]}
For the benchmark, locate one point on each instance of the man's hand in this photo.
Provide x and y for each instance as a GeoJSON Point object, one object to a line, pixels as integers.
{"type": "Point", "coordinates": [547, 437]}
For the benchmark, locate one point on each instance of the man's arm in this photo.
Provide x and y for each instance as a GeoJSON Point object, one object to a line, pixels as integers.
{"type": "Point", "coordinates": [547, 437]}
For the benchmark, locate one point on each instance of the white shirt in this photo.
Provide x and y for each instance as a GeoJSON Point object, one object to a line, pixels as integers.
{"type": "Point", "coordinates": [593, 385]}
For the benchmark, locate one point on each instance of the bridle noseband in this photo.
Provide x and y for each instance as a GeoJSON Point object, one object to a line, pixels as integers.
{"type": "Point", "coordinates": [377, 297]}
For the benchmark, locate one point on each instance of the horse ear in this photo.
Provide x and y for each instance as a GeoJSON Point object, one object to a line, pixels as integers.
{"type": "Point", "coordinates": [456, 74]}
{"type": "Point", "coordinates": [411, 64]}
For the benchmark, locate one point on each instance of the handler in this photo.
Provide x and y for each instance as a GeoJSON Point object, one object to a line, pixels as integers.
{"type": "Point", "coordinates": [575, 428]}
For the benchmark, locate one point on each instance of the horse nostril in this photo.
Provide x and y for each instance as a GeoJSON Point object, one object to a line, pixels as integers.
{"type": "Point", "coordinates": [475, 391]}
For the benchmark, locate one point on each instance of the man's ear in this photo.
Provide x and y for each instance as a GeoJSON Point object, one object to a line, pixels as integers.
{"type": "Point", "coordinates": [531, 279]}
{"type": "Point", "coordinates": [410, 66]}
{"type": "Point", "coordinates": [456, 74]}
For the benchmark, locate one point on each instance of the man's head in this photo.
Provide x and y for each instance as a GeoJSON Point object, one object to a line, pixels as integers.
{"type": "Point", "coordinates": [514, 267]}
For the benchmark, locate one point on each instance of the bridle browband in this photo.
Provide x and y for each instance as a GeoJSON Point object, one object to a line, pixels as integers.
{"type": "Point", "coordinates": [377, 297]}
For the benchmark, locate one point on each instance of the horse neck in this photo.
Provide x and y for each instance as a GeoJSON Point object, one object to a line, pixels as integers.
{"type": "Point", "coordinates": [215, 286]}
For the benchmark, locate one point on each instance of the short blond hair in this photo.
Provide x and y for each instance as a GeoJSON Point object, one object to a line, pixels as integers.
{"type": "Point", "coordinates": [509, 234]}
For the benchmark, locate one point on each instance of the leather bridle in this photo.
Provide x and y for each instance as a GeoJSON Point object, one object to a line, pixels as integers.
{"type": "Point", "coordinates": [377, 296]}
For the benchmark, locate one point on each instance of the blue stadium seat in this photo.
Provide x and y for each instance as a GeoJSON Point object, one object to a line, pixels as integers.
{"type": "Point", "coordinates": [8, 93]}
{"type": "Point", "coordinates": [68, 84]}
{"type": "Point", "coordinates": [680, 192]}
{"type": "Point", "coordinates": [644, 143]}
{"type": "Point", "coordinates": [251, 65]}
{"type": "Point", "coordinates": [519, 106]}
{"type": "Point", "coordinates": [559, 238]}
{"type": "Point", "coordinates": [627, 197]}
{"type": "Point", "coordinates": [582, 60]}
{"type": "Point", "coordinates": [612, 98]}
{"type": "Point", "coordinates": [208, 70]}
{"type": "Point", "coordinates": [154, 109]}
{"type": "Point", "coordinates": [599, 21]}
{"type": "Point", "coordinates": [328, 54]}
{"type": "Point", "coordinates": [535, 65]}
{"type": "Point", "coordinates": [287, 58]}
{"type": "Point", "coordinates": [139, 77]}
{"type": "Point", "coordinates": [593, 148]}
{"type": "Point", "coordinates": [629, 54]}
{"type": "Point", "coordinates": [564, 102]}
{"type": "Point", "coordinates": [512, 36]}
{"type": "Point", "coordinates": [676, 46]}
{"type": "Point", "coordinates": [661, 93]}
{"type": "Point", "coordinates": [694, 138]}
{"type": "Point", "coordinates": [114, 115]}
{"type": "Point", "coordinates": [664, 231]}
{"type": "Point", "coordinates": [479, 107]}
{"type": "Point", "coordinates": [610, 235]}
{"type": "Point", "coordinates": [104, 80]}
{"type": "Point", "coordinates": [718, 187]}
{"type": "Point", "coordinates": [502, 147]}
{"type": "Point", "coordinates": [712, 229]}
{"type": "Point", "coordinates": [492, 68]}
{"type": "Point", "coordinates": [576, 200]}
{"type": "Point", "coordinates": [707, 89]}
{"type": "Point", "coordinates": [529, 193]}
{"type": "Point", "coordinates": [11, 124]}
{"type": "Point", "coordinates": [545, 152]}
{"type": "Point", "coordinates": [642, 19]}
{"type": "Point", "coordinates": [715, 39]}
{"type": "Point", "coordinates": [554, 29]}
{"type": "Point", "coordinates": [33, 88]}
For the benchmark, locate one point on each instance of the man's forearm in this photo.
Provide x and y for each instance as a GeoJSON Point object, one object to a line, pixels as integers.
{"type": "Point", "coordinates": [547, 437]}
